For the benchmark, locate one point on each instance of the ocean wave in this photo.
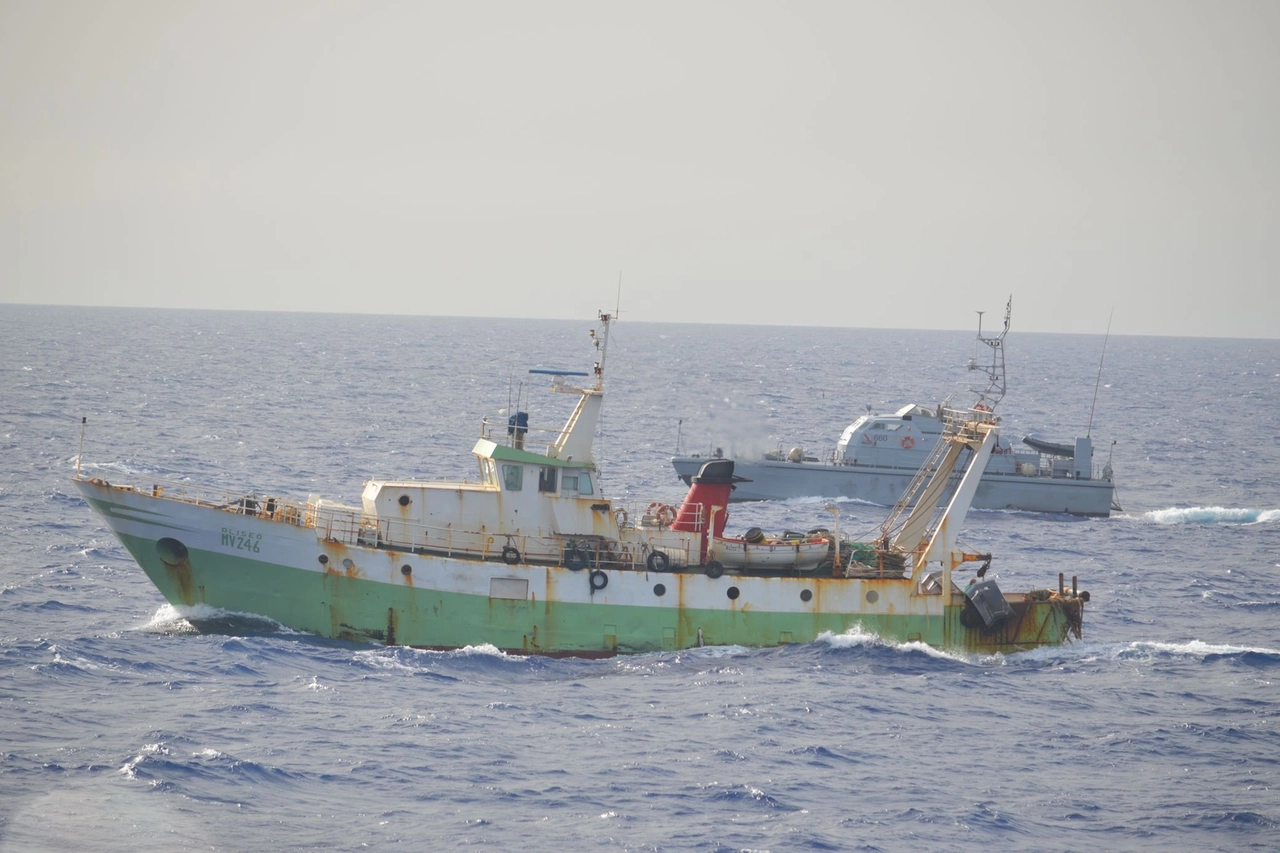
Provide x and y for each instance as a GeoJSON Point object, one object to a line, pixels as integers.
{"type": "Point", "coordinates": [437, 663]}
{"type": "Point", "coordinates": [163, 765]}
{"type": "Point", "coordinates": [72, 665]}
{"type": "Point", "coordinates": [1210, 515]}
{"type": "Point", "coordinates": [748, 796]}
{"type": "Point", "coordinates": [130, 768]}
{"type": "Point", "coordinates": [1038, 657]}
{"type": "Point", "coordinates": [388, 660]}
{"type": "Point", "coordinates": [114, 467]}
{"type": "Point", "coordinates": [858, 638]}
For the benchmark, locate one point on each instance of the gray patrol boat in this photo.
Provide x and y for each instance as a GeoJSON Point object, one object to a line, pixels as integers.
{"type": "Point", "coordinates": [878, 456]}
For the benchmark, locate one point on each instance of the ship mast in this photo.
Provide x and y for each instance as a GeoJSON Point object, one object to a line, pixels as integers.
{"type": "Point", "coordinates": [990, 396]}
{"type": "Point", "coordinates": [578, 433]}
{"type": "Point", "coordinates": [601, 339]}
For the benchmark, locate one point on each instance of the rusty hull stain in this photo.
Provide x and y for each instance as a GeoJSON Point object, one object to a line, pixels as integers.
{"type": "Point", "coordinates": [1027, 626]}
{"type": "Point", "coordinates": [180, 574]}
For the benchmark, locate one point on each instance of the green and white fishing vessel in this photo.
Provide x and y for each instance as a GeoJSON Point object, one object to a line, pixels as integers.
{"type": "Point", "coordinates": [530, 558]}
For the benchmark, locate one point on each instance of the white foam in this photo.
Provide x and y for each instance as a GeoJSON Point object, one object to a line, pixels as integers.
{"type": "Point", "coordinates": [1068, 652]}
{"type": "Point", "coordinates": [130, 768]}
{"type": "Point", "coordinates": [857, 637]}
{"type": "Point", "coordinates": [1190, 648]}
{"type": "Point", "coordinates": [385, 658]}
{"type": "Point", "coordinates": [485, 650]}
{"type": "Point", "coordinates": [165, 617]}
{"type": "Point", "coordinates": [180, 618]}
{"type": "Point", "coordinates": [393, 658]}
{"type": "Point", "coordinates": [1211, 515]}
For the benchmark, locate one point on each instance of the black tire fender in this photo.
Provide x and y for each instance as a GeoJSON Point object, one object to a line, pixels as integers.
{"type": "Point", "coordinates": [657, 561]}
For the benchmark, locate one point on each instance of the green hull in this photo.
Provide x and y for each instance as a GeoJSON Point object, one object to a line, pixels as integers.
{"type": "Point", "coordinates": [349, 607]}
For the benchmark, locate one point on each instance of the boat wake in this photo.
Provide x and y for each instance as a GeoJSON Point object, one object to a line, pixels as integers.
{"type": "Point", "coordinates": [1138, 651]}
{"type": "Point", "coordinates": [1210, 515]}
{"type": "Point", "coordinates": [1152, 651]}
{"type": "Point", "coordinates": [1149, 652]}
{"type": "Point", "coordinates": [839, 500]}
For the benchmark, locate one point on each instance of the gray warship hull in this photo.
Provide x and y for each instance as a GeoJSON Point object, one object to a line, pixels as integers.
{"type": "Point", "coordinates": [782, 480]}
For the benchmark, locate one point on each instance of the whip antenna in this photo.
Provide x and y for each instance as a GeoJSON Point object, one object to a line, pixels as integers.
{"type": "Point", "coordinates": [80, 453]}
{"type": "Point", "coordinates": [1089, 432]}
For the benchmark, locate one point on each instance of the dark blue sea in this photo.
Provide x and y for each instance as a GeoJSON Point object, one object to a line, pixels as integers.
{"type": "Point", "coordinates": [123, 729]}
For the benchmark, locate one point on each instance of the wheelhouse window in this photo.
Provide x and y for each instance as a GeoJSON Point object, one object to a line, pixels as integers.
{"type": "Point", "coordinates": [547, 480]}
{"type": "Point", "coordinates": [513, 477]}
{"type": "Point", "coordinates": [578, 483]}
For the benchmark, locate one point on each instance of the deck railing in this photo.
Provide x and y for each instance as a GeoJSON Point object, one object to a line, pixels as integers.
{"type": "Point", "coordinates": [534, 439]}
{"type": "Point", "coordinates": [240, 503]}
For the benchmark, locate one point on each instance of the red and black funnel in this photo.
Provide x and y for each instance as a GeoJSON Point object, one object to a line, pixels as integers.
{"type": "Point", "coordinates": [710, 488]}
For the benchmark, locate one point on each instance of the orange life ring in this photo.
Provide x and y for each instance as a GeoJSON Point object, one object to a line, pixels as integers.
{"type": "Point", "coordinates": [664, 514]}
{"type": "Point", "coordinates": [908, 442]}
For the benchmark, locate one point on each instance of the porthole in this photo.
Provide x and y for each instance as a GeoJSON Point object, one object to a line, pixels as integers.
{"type": "Point", "coordinates": [659, 589]}
{"type": "Point", "coordinates": [324, 558]}
{"type": "Point", "coordinates": [872, 596]}
{"type": "Point", "coordinates": [733, 593]}
{"type": "Point", "coordinates": [406, 570]}
{"type": "Point", "coordinates": [346, 563]}
{"type": "Point", "coordinates": [806, 595]}
{"type": "Point", "coordinates": [404, 500]}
